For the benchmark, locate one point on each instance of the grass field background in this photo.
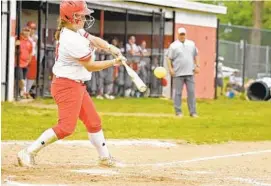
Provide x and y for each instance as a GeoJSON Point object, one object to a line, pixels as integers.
{"type": "Point", "coordinates": [220, 120]}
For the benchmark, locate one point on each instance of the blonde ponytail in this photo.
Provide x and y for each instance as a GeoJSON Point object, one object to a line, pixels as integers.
{"type": "Point", "coordinates": [60, 25]}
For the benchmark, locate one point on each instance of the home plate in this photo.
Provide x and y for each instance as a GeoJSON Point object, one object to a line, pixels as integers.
{"type": "Point", "coordinates": [101, 172]}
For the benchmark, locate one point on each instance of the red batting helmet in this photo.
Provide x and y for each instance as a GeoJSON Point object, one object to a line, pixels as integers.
{"type": "Point", "coordinates": [31, 25]}
{"type": "Point", "coordinates": [70, 8]}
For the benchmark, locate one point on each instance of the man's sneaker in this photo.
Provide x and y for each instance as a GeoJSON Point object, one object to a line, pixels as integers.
{"type": "Point", "coordinates": [100, 97]}
{"type": "Point", "coordinates": [179, 115]}
{"type": "Point", "coordinates": [25, 158]}
{"type": "Point", "coordinates": [107, 96]}
{"type": "Point", "coordinates": [107, 162]}
{"type": "Point", "coordinates": [194, 115]}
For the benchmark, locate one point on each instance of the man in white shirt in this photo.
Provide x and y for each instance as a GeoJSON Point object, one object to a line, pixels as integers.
{"type": "Point", "coordinates": [182, 58]}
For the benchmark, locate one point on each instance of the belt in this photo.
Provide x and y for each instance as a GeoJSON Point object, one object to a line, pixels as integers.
{"type": "Point", "coordinates": [78, 81]}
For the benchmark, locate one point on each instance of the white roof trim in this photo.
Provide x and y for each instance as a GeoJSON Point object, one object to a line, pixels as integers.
{"type": "Point", "coordinates": [183, 4]}
{"type": "Point", "coordinates": [126, 5]}
{"type": "Point", "coordinates": [155, 5]}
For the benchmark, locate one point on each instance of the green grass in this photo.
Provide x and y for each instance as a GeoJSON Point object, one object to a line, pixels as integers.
{"type": "Point", "coordinates": [220, 121]}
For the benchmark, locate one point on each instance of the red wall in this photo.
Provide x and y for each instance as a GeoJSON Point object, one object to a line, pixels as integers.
{"type": "Point", "coordinates": [205, 40]}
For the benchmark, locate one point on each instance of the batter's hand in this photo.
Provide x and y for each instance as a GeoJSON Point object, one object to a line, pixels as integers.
{"type": "Point", "coordinates": [119, 61]}
{"type": "Point", "coordinates": [114, 50]}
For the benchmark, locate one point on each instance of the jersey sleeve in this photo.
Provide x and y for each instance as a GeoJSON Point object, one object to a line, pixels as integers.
{"type": "Point", "coordinates": [79, 49]}
{"type": "Point", "coordinates": [170, 52]}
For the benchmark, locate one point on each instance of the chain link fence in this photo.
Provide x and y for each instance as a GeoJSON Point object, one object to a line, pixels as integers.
{"type": "Point", "coordinates": [251, 35]}
{"type": "Point", "coordinates": [251, 60]}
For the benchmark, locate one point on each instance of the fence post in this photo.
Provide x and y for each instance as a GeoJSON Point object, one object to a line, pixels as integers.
{"type": "Point", "coordinates": [244, 64]}
{"type": "Point", "coordinates": [18, 32]}
{"type": "Point", "coordinates": [216, 57]}
{"type": "Point", "coordinates": [7, 12]}
{"type": "Point", "coordinates": [236, 53]}
{"type": "Point", "coordinates": [39, 49]}
{"type": "Point", "coordinates": [268, 70]}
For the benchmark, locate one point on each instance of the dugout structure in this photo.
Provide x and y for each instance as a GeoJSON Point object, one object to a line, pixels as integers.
{"type": "Point", "coordinates": [155, 21]}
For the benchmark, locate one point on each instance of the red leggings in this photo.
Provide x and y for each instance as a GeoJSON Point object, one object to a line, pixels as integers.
{"type": "Point", "coordinates": [32, 69]}
{"type": "Point", "coordinates": [73, 102]}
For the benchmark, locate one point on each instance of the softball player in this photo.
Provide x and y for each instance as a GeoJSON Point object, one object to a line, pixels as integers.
{"type": "Point", "coordinates": [32, 67]}
{"type": "Point", "coordinates": [144, 64]}
{"type": "Point", "coordinates": [73, 66]}
{"type": "Point", "coordinates": [24, 60]}
{"type": "Point", "coordinates": [120, 75]}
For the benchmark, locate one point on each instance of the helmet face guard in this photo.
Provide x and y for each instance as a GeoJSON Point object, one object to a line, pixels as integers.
{"type": "Point", "coordinates": [86, 17]}
{"type": "Point", "coordinates": [90, 20]}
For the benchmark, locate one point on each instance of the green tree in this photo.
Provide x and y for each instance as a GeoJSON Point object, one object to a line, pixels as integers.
{"type": "Point", "coordinates": [267, 15]}
{"type": "Point", "coordinates": [238, 13]}
{"type": "Point", "coordinates": [241, 13]}
{"type": "Point", "coordinates": [257, 22]}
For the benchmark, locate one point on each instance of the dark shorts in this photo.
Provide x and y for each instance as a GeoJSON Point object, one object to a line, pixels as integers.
{"type": "Point", "coordinates": [219, 82]}
{"type": "Point", "coordinates": [20, 73]}
{"type": "Point", "coordinates": [235, 87]}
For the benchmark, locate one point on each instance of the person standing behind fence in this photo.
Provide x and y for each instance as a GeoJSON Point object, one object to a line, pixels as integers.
{"type": "Point", "coordinates": [109, 74]}
{"type": "Point", "coordinates": [182, 59]}
{"type": "Point", "coordinates": [144, 63]}
{"type": "Point", "coordinates": [32, 68]}
{"type": "Point", "coordinates": [93, 83]}
{"type": "Point", "coordinates": [119, 75]}
{"type": "Point", "coordinates": [154, 81]}
{"type": "Point", "coordinates": [24, 60]}
{"type": "Point", "coordinates": [101, 77]}
{"type": "Point", "coordinates": [132, 54]}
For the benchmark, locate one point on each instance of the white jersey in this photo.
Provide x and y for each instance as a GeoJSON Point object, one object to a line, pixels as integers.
{"type": "Point", "coordinates": [130, 47]}
{"type": "Point", "coordinates": [71, 48]}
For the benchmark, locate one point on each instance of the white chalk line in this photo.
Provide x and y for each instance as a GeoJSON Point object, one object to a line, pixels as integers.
{"type": "Point", "coordinates": [154, 143]}
{"type": "Point", "coordinates": [121, 164]}
{"type": "Point", "coordinates": [249, 181]}
{"type": "Point", "coordinates": [238, 179]}
{"type": "Point", "coordinates": [103, 172]}
{"type": "Point", "coordinates": [178, 163]}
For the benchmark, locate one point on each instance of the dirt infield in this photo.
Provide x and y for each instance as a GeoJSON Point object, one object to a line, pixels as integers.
{"type": "Point", "coordinates": [149, 162]}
